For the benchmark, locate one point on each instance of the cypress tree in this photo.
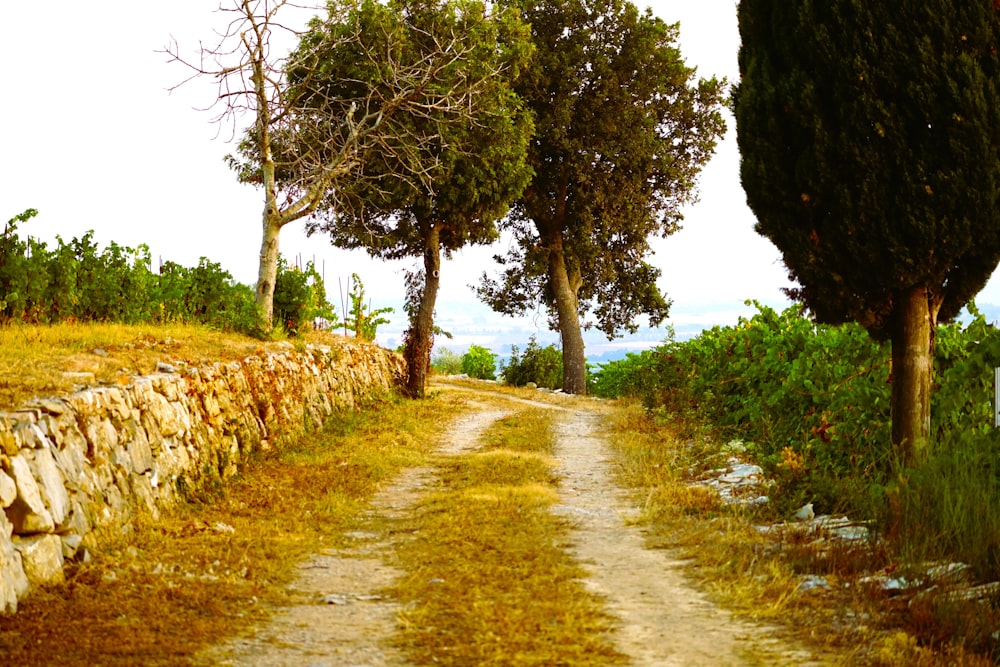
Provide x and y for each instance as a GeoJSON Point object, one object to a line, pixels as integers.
{"type": "Point", "coordinates": [870, 143]}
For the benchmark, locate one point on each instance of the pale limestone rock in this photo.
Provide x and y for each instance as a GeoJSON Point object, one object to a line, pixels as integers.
{"type": "Point", "coordinates": [72, 463]}
{"type": "Point", "coordinates": [32, 436]}
{"type": "Point", "coordinates": [80, 519]}
{"type": "Point", "coordinates": [8, 490]}
{"type": "Point", "coordinates": [53, 406]}
{"type": "Point", "coordinates": [27, 513]}
{"type": "Point", "coordinates": [102, 435]}
{"type": "Point", "coordinates": [140, 454]}
{"type": "Point", "coordinates": [50, 484]}
{"type": "Point", "coordinates": [42, 558]}
{"type": "Point", "coordinates": [70, 545]}
{"type": "Point", "coordinates": [114, 401]}
{"type": "Point", "coordinates": [175, 420]}
{"type": "Point", "coordinates": [13, 581]}
{"type": "Point", "coordinates": [68, 434]}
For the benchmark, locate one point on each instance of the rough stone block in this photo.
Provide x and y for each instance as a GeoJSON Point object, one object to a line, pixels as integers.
{"type": "Point", "coordinates": [13, 580]}
{"type": "Point", "coordinates": [50, 483]}
{"type": "Point", "coordinates": [27, 513]}
{"type": "Point", "coordinates": [102, 435]}
{"type": "Point", "coordinates": [8, 490]}
{"type": "Point", "coordinates": [139, 451]}
{"type": "Point", "coordinates": [42, 558]}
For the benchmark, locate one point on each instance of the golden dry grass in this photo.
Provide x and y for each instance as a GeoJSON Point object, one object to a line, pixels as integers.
{"type": "Point", "coordinates": [759, 576]}
{"type": "Point", "coordinates": [50, 360]}
{"type": "Point", "coordinates": [168, 589]}
{"type": "Point", "coordinates": [488, 581]}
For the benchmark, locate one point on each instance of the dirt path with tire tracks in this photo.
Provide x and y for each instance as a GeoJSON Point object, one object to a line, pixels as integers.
{"type": "Point", "coordinates": [340, 619]}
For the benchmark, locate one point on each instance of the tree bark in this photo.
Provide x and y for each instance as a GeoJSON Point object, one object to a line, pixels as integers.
{"type": "Point", "coordinates": [267, 274]}
{"type": "Point", "coordinates": [914, 319]}
{"type": "Point", "coordinates": [564, 289]}
{"type": "Point", "coordinates": [419, 339]}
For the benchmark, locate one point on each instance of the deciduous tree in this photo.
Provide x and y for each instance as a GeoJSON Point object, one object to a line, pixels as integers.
{"type": "Point", "coordinates": [870, 142]}
{"type": "Point", "coordinates": [308, 137]}
{"type": "Point", "coordinates": [622, 129]}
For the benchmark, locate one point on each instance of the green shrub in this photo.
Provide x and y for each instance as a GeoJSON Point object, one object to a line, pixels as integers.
{"type": "Point", "coordinates": [77, 280]}
{"type": "Point", "coordinates": [446, 362]}
{"type": "Point", "coordinates": [362, 319]}
{"type": "Point", "coordinates": [541, 365]}
{"type": "Point", "coordinates": [300, 298]}
{"type": "Point", "coordinates": [479, 363]}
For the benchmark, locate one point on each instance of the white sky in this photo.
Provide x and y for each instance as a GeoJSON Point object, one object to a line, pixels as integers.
{"type": "Point", "coordinates": [93, 141]}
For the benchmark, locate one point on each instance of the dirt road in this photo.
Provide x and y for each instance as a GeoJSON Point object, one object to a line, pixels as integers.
{"type": "Point", "coordinates": [342, 620]}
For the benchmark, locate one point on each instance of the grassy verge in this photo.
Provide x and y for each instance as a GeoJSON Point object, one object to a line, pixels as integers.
{"type": "Point", "coordinates": [761, 577]}
{"type": "Point", "coordinates": [210, 570]}
{"type": "Point", "coordinates": [488, 580]}
{"type": "Point", "coordinates": [38, 360]}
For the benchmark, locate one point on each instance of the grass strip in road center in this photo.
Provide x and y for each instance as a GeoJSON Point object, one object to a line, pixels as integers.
{"type": "Point", "coordinates": [488, 579]}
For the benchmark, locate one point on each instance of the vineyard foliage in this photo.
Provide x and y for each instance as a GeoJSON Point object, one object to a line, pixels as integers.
{"type": "Point", "coordinates": [810, 403]}
{"type": "Point", "coordinates": [79, 281]}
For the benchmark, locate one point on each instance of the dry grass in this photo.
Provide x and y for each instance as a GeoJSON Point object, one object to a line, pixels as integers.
{"type": "Point", "coordinates": [488, 580]}
{"type": "Point", "coordinates": [211, 570]}
{"type": "Point", "coordinates": [760, 576]}
{"type": "Point", "coordinates": [41, 361]}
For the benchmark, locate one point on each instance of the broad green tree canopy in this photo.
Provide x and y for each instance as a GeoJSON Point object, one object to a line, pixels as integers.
{"type": "Point", "coordinates": [622, 129]}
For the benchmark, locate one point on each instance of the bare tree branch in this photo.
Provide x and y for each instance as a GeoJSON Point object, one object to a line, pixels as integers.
{"type": "Point", "coordinates": [303, 134]}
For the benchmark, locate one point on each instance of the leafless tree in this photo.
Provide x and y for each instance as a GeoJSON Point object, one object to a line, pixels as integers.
{"type": "Point", "coordinates": [304, 136]}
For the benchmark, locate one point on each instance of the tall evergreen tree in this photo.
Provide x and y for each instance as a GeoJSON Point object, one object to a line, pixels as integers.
{"type": "Point", "coordinates": [870, 142]}
{"type": "Point", "coordinates": [622, 129]}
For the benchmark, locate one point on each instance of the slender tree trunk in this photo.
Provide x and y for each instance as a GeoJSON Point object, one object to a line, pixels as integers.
{"type": "Point", "coordinates": [420, 337]}
{"type": "Point", "coordinates": [914, 319]}
{"type": "Point", "coordinates": [564, 288]}
{"type": "Point", "coordinates": [267, 273]}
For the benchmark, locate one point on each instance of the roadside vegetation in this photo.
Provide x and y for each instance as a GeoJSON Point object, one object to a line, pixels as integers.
{"type": "Point", "coordinates": [79, 281]}
{"type": "Point", "coordinates": [810, 404]}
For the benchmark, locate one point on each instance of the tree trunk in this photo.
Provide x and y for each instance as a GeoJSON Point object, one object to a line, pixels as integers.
{"type": "Point", "coordinates": [914, 318]}
{"type": "Point", "coordinates": [420, 337]}
{"type": "Point", "coordinates": [267, 273]}
{"type": "Point", "coordinates": [564, 289]}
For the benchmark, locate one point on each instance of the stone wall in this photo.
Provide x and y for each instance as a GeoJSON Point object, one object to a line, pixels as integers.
{"type": "Point", "coordinates": [75, 467]}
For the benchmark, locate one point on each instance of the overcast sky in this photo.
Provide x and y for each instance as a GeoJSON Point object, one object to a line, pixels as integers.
{"type": "Point", "coordinates": [93, 140]}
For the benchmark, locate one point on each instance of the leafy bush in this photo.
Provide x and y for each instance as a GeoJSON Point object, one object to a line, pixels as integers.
{"type": "Point", "coordinates": [447, 362]}
{"type": "Point", "coordinates": [811, 404]}
{"type": "Point", "coordinates": [541, 365]}
{"type": "Point", "coordinates": [77, 280]}
{"type": "Point", "coordinates": [479, 363]}
{"type": "Point", "coordinates": [300, 298]}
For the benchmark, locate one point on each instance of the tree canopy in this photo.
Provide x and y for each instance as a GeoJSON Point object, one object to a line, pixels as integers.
{"type": "Point", "coordinates": [870, 143]}
{"type": "Point", "coordinates": [622, 129]}
{"type": "Point", "coordinates": [471, 164]}
{"type": "Point", "coordinates": [355, 89]}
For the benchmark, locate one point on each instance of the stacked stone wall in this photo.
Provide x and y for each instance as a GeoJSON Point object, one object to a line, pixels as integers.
{"type": "Point", "coordinates": [74, 469]}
